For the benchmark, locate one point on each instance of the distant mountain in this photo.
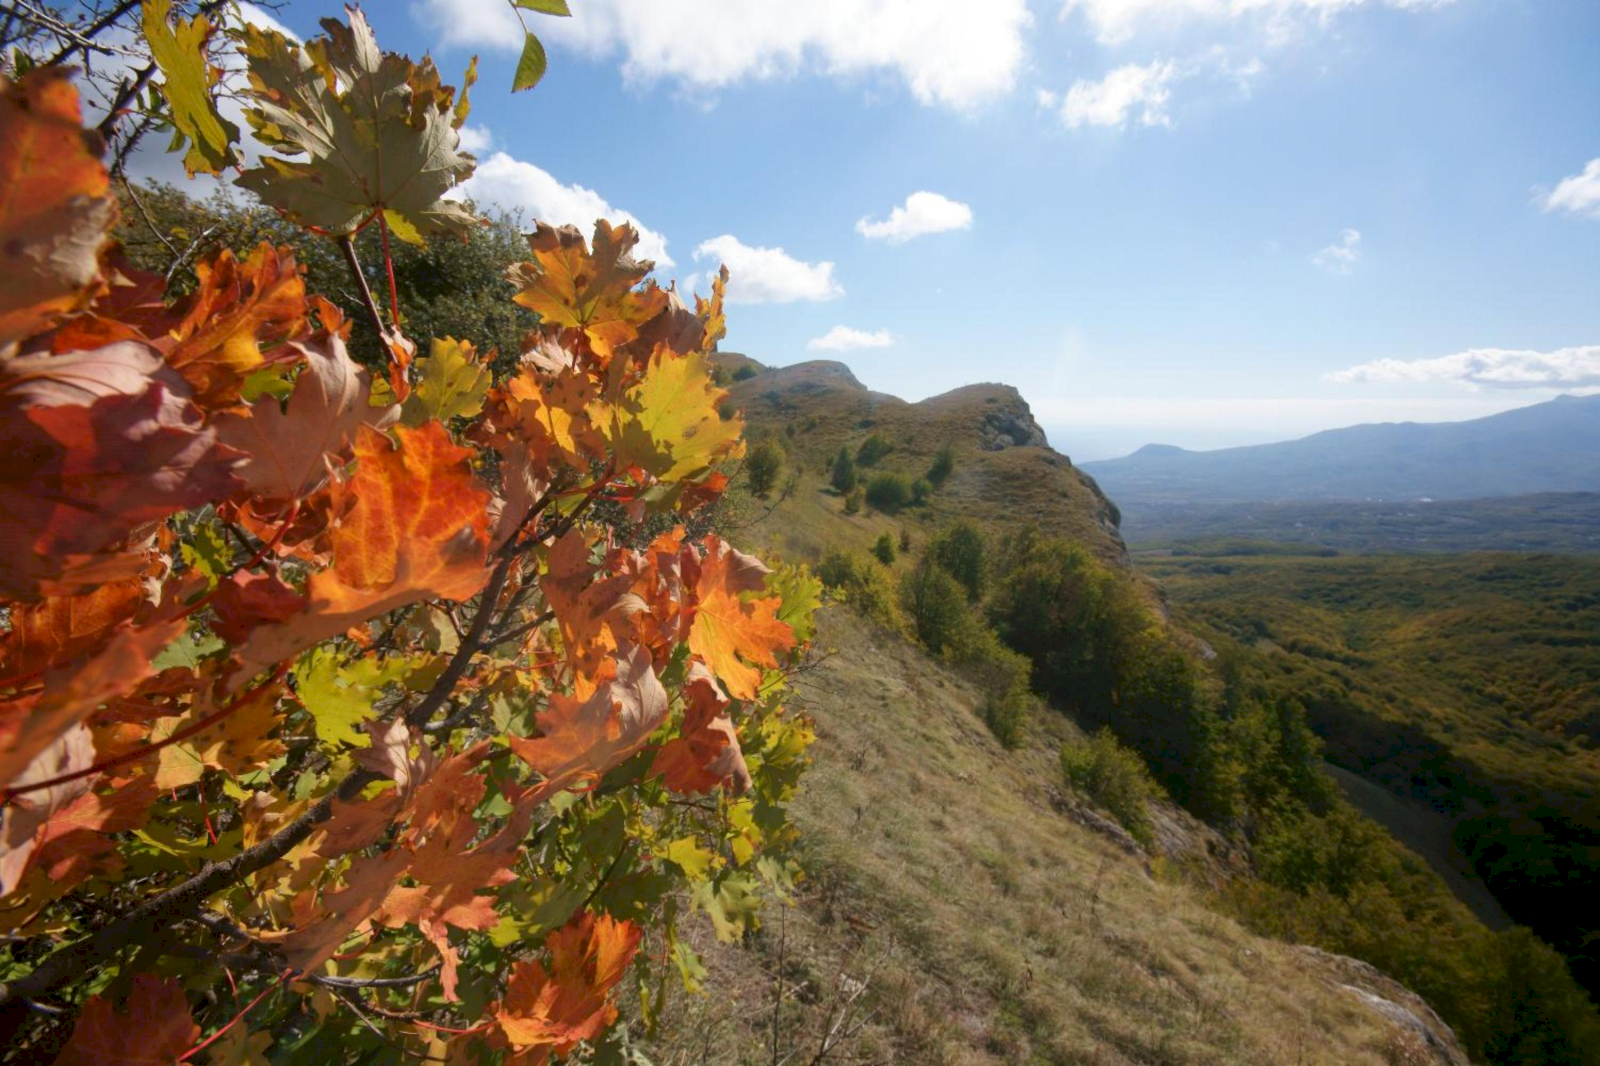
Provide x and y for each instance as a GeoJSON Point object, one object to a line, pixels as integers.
{"type": "Point", "coordinates": [1547, 447]}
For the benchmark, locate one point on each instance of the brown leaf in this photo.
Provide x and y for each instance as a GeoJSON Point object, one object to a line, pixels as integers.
{"type": "Point", "coordinates": [55, 206]}
{"type": "Point", "coordinates": [154, 1029]}
{"type": "Point", "coordinates": [288, 446]}
{"type": "Point", "coordinates": [706, 751]}
{"type": "Point", "coordinates": [583, 740]}
{"type": "Point", "coordinates": [245, 600]}
{"type": "Point", "coordinates": [27, 816]}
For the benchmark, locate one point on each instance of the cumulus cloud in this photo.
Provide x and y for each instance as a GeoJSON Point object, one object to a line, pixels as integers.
{"type": "Point", "coordinates": [475, 139]}
{"type": "Point", "coordinates": [922, 213]}
{"type": "Point", "coordinates": [1128, 91]}
{"type": "Point", "coordinates": [511, 184]}
{"type": "Point", "coordinates": [845, 339]}
{"type": "Point", "coordinates": [1117, 21]}
{"type": "Point", "coordinates": [1342, 255]}
{"type": "Point", "coordinates": [948, 52]}
{"type": "Point", "coordinates": [1578, 194]}
{"type": "Point", "coordinates": [1495, 368]}
{"type": "Point", "coordinates": [768, 275]}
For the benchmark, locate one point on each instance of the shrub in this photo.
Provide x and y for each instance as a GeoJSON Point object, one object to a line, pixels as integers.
{"type": "Point", "coordinates": [763, 465]}
{"type": "Point", "coordinates": [1114, 778]}
{"type": "Point", "coordinates": [921, 489]}
{"type": "Point", "coordinates": [888, 492]}
{"type": "Point", "coordinates": [935, 607]}
{"type": "Point", "coordinates": [905, 541]}
{"type": "Point", "coordinates": [943, 465]}
{"type": "Point", "coordinates": [852, 501]}
{"type": "Point", "coordinates": [843, 475]}
{"type": "Point", "coordinates": [745, 373]}
{"type": "Point", "coordinates": [872, 449]}
{"type": "Point", "coordinates": [884, 550]}
{"type": "Point", "coordinates": [866, 588]}
{"type": "Point", "coordinates": [962, 550]}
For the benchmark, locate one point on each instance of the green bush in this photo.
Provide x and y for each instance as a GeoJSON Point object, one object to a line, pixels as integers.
{"type": "Point", "coordinates": [763, 465]}
{"type": "Point", "coordinates": [921, 489]}
{"type": "Point", "coordinates": [745, 373]}
{"type": "Point", "coordinates": [868, 589]}
{"type": "Point", "coordinates": [852, 501]}
{"type": "Point", "coordinates": [943, 465]}
{"type": "Point", "coordinates": [962, 551]}
{"type": "Point", "coordinates": [884, 550]}
{"type": "Point", "coordinates": [843, 473]}
{"type": "Point", "coordinates": [1114, 778]}
{"type": "Point", "coordinates": [872, 449]}
{"type": "Point", "coordinates": [935, 607]}
{"type": "Point", "coordinates": [905, 541]}
{"type": "Point", "coordinates": [888, 492]}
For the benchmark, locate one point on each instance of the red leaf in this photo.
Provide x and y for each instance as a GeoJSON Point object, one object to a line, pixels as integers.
{"type": "Point", "coordinates": [153, 1030]}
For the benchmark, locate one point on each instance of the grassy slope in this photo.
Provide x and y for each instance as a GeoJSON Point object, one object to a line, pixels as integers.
{"type": "Point", "coordinates": [983, 923]}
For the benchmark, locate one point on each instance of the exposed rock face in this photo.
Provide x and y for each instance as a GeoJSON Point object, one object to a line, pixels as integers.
{"type": "Point", "coordinates": [1390, 999]}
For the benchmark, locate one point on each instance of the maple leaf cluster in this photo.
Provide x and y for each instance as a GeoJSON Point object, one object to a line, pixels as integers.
{"type": "Point", "coordinates": [324, 695]}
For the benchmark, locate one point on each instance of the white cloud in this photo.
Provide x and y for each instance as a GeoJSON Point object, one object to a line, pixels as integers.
{"type": "Point", "coordinates": [1125, 90]}
{"type": "Point", "coordinates": [1116, 21]}
{"type": "Point", "coordinates": [475, 139]}
{"type": "Point", "coordinates": [845, 339]}
{"type": "Point", "coordinates": [1495, 368]}
{"type": "Point", "coordinates": [1342, 255]}
{"type": "Point", "coordinates": [949, 52]}
{"type": "Point", "coordinates": [768, 275]}
{"type": "Point", "coordinates": [1579, 193]}
{"type": "Point", "coordinates": [922, 213]}
{"type": "Point", "coordinates": [512, 184]}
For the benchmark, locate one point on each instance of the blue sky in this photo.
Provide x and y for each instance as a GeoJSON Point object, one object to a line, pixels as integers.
{"type": "Point", "coordinates": [1201, 222]}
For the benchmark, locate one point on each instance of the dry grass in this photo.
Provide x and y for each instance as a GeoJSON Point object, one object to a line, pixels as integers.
{"type": "Point", "coordinates": [952, 916]}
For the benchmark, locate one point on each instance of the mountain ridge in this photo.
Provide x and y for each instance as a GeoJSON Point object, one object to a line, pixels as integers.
{"type": "Point", "coordinates": [1547, 447]}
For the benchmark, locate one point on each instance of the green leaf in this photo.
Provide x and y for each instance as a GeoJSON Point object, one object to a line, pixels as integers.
{"type": "Point", "coordinates": [451, 383]}
{"type": "Point", "coordinates": [179, 50]}
{"type": "Point", "coordinates": [687, 854]}
{"type": "Point", "coordinates": [340, 695]}
{"type": "Point", "coordinates": [208, 551]}
{"type": "Point", "coordinates": [546, 7]}
{"type": "Point", "coordinates": [187, 651]}
{"type": "Point", "coordinates": [531, 67]}
{"type": "Point", "coordinates": [802, 597]}
{"type": "Point", "coordinates": [690, 968]}
{"type": "Point", "coordinates": [731, 905]}
{"type": "Point", "coordinates": [357, 130]}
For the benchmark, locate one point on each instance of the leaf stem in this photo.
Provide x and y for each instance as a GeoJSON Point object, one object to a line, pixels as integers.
{"type": "Point", "coordinates": [388, 265]}
{"type": "Point", "coordinates": [347, 244]}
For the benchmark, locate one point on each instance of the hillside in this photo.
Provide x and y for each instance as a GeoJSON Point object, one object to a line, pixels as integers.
{"type": "Point", "coordinates": [1470, 683]}
{"type": "Point", "coordinates": [962, 904]}
{"type": "Point", "coordinates": [1005, 473]}
{"type": "Point", "coordinates": [1547, 447]}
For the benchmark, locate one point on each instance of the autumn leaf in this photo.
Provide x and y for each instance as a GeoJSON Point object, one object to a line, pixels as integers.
{"type": "Point", "coordinates": [554, 1010]}
{"type": "Point", "coordinates": [341, 695]}
{"type": "Point", "coordinates": [79, 478]}
{"type": "Point", "coordinates": [74, 691]}
{"type": "Point", "coordinates": [239, 743]}
{"type": "Point", "coordinates": [55, 204]}
{"type": "Point", "coordinates": [706, 752]}
{"type": "Point", "coordinates": [736, 636]}
{"type": "Point", "coordinates": [670, 424]}
{"type": "Point", "coordinates": [583, 740]}
{"type": "Point", "coordinates": [416, 529]}
{"type": "Point", "coordinates": [377, 133]}
{"type": "Point", "coordinates": [26, 817]}
{"type": "Point", "coordinates": [245, 600]}
{"type": "Point", "coordinates": [179, 50]}
{"type": "Point", "coordinates": [585, 608]}
{"type": "Point", "coordinates": [569, 286]}
{"type": "Point", "coordinates": [154, 1028]}
{"type": "Point", "coordinates": [239, 309]}
{"type": "Point", "coordinates": [287, 447]}
{"type": "Point", "coordinates": [451, 383]}
{"type": "Point", "coordinates": [58, 628]}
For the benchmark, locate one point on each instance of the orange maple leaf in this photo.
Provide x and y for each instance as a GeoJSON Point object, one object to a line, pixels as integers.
{"type": "Point", "coordinates": [570, 287]}
{"type": "Point", "coordinates": [735, 636]}
{"type": "Point", "coordinates": [551, 1011]}
{"type": "Point", "coordinates": [55, 206]}
{"type": "Point", "coordinates": [154, 1029]}
{"type": "Point", "coordinates": [706, 751]}
{"type": "Point", "coordinates": [581, 740]}
{"type": "Point", "coordinates": [416, 529]}
{"type": "Point", "coordinates": [585, 609]}
{"type": "Point", "coordinates": [239, 309]}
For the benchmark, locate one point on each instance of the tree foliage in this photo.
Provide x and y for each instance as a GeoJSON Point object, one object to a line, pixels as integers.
{"type": "Point", "coordinates": [333, 717]}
